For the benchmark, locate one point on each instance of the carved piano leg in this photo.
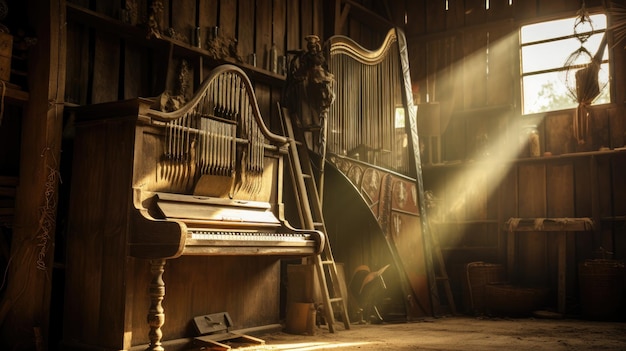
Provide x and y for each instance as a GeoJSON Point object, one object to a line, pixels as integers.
{"type": "Point", "coordinates": [156, 314]}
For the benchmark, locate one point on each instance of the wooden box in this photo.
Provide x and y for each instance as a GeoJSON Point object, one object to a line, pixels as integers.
{"type": "Point", "coordinates": [6, 49]}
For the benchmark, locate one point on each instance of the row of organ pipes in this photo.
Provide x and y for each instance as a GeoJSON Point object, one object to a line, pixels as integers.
{"type": "Point", "coordinates": [204, 141]}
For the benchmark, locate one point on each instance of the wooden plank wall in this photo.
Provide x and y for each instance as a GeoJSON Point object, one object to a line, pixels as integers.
{"type": "Point", "coordinates": [449, 62]}
{"type": "Point", "coordinates": [25, 304]}
{"type": "Point", "coordinates": [104, 65]}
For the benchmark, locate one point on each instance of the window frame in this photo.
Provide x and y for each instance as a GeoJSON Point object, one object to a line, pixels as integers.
{"type": "Point", "coordinates": [523, 74]}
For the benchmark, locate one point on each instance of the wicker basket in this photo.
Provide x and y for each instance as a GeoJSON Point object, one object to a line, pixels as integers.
{"type": "Point", "coordinates": [478, 275]}
{"type": "Point", "coordinates": [601, 288]}
{"type": "Point", "coordinates": [514, 301]}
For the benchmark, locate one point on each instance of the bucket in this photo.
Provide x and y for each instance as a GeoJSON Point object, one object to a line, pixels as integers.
{"type": "Point", "coordinates": [300, 318]}
{"type": "Point", "coordinates": [479, 275]}
{"type": "Point", "coordinates": [601, 288]}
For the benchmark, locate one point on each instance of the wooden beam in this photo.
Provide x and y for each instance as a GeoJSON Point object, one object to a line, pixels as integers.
{"type": "Point", "coordinates": [25, 307]}
{"type": "Point", "coordinates": [360, 13]}
{"type": "Point", "coordinates": [369, 17]}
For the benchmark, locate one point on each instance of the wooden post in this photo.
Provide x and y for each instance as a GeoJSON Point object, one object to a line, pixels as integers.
{"type": "Point", "coordinates": [156, 314]}
{"type": "Point", "coordinates": [25, 307]}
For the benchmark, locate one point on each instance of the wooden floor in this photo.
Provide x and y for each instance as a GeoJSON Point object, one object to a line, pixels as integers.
{"type": "Point", "coordinates": [459, 333]}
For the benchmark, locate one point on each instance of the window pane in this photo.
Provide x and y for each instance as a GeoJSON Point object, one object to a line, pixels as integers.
{"type": "Point", "coordinates": [556, 86]}
{"type": "Point", "coordinates": [546, 92]}
{"type": "Point", "coordinates": [547, 30]}
{"type": "Point", "coordinates": [558, 28]}
{"type": "Point", "coordinates": [551, 55]}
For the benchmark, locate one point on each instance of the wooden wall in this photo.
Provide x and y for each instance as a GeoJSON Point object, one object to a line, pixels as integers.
{"type": "Point", "coordinates": [484, 175]}
{"type": "Point", "coordinates": [110, 60]}
{"type": "Point", "coordinates": [99, 59]}
{"type": "Point", "coordinates": [84, 53]}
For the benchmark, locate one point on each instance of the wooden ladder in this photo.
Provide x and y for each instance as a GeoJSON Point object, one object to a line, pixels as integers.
{"type": "Point", "coordinates": [440, 276]}
{"type": "Point", "coordinates": [310, 210]}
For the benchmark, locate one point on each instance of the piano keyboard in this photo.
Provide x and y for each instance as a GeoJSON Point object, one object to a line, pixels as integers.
{"type": "Point", "coordinates": [200, 234]}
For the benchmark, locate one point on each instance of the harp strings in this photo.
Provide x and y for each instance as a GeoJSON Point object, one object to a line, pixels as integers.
{"type": "Point", "coordinates": [363, 118]}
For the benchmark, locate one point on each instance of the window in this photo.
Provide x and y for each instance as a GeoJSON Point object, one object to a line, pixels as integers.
{"type": "Point", "coordinates": [551, 55]}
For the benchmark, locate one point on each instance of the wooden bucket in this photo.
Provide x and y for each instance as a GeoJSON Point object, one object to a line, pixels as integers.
{"type": "Point", "coordinates": [601, 288]}
{"type": "Point", "coordinates": [300, 318]}
{"type": "Point", "coordinates": [478, 275]}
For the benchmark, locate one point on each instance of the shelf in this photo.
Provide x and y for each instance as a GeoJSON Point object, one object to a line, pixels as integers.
{"type": "Point", "coordinates": [185, 50]}
{"type": "Point", "coordinates": [8, 187]}
{"type": "Point", "coordinates": [467, 222]}
{"type": "Point", "coordinates": [13, 94]}
{"type": "Point", "coordinates": [139, 34]}
{"type": "Point", "coordinates": [553, 158]}
{"type": "Point", "coordinates": [484, 110]}
{"type": "Point", "coordinates": [549, 225]}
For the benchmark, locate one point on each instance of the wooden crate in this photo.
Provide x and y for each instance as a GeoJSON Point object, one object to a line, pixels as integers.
{"type": "Point", "coordinates": [602, 288]}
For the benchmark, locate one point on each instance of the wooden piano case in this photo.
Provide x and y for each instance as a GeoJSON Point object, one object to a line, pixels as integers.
{"type": "Point", "coordinates": [120, 151]}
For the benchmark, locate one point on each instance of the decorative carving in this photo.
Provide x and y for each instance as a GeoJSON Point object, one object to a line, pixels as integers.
{"type": "Point", "coordinates": [385, 203]}
{"type": "Point", "coordinates": [172, 102]}
{"type": "Point", "coordinates": [309, 79]}
{"type": "Point", "coordinates": [130, 12]}
{"type": "Point", "coordinates": [355, 173]}
{"type": "Point", "coordinates": [156, 314]}
{"type": "Point", "coordinates": [401, 195]}
{"type": "Point", "coordinates": [397, 224]}
{"type": "Point", "coordinates": [155, 19]}
{"type": "Point", "coordinates": [371, 183]}
{"type": "Point", "coordinates": [220, 47]}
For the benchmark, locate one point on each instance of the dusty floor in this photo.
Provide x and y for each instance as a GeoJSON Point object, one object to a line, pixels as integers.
{"type": "Point", "coordinates": [461, 333]}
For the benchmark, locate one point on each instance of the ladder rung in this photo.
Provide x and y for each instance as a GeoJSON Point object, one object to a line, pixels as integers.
{"type": "Point", "coordinates": [308, 193]}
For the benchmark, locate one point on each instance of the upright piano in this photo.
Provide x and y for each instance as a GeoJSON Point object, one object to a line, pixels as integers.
{"type": "Point", "coordinates": [199, 187]}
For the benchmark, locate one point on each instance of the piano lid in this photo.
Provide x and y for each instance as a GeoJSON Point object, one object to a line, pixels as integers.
{"type": "Point", "coordinates": [210, 209]}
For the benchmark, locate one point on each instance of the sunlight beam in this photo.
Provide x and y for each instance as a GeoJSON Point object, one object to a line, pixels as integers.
{"type": "Point", "coordinates": [466, 195]}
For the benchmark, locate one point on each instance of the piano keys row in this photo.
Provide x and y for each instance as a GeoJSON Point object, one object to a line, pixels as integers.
{"type": "Point", "coordinates": [199, 234]}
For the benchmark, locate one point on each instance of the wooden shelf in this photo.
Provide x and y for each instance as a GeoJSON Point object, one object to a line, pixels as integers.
{"type": "Point", "coordinates": [14, 95]}
{"type": "Point", "coordinates": [486, 110]}
{"type": "Point", "coordinates": [549, 225]}
{"type": "Point", "coordinates": [139, 34]}
{"type": "Point", "coordinates": [468, 222]}
{"type": "Point", "coordinates": [553, 158]}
